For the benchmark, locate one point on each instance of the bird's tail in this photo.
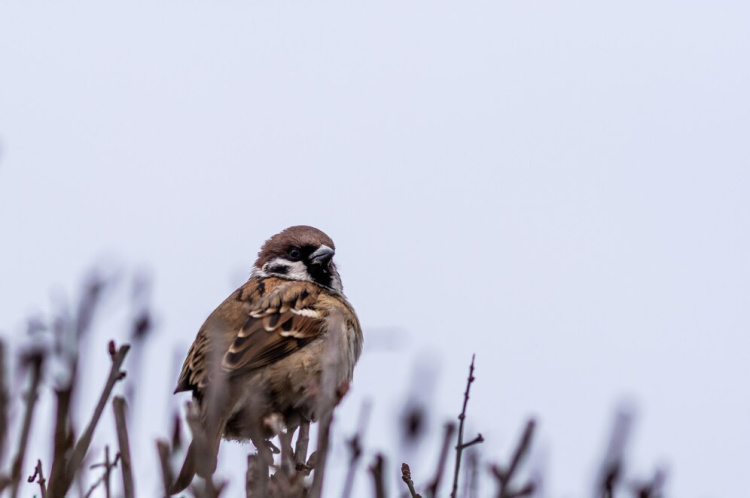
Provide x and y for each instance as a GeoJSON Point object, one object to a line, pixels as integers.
{"type": "Point", "coordinates": [187, 472]}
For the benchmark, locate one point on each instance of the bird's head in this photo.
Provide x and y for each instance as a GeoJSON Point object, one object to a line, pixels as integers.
{"type": "Point", "coordinates": [299, 253]}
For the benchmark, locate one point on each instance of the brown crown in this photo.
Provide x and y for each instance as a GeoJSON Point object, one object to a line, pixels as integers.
{"type": "Point", "coordinates": [296, 236]}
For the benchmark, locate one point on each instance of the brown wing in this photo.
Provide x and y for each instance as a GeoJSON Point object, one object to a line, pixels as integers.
{"type": "Point", "coordinates": [283, 322]}
{"type": "Point", "coordinates": [262, 322]}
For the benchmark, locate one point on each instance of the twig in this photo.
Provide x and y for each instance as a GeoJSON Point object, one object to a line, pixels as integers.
{"type": "Point", "coordinates": [406, 477]}
{"type": "Point", "coordinates": [527, 490]}
{"type": "Point", "coordinates": [162, 447]}
{"type": "Point", "coordinates": [176, 431]}
{"type": "Point", "coordinates": [285, 481]}
{"type": "Point", "coordinates": [287, 453]}
{"type": "Point", "coordinates": [303, 440]}
{"type": "Point", "coordinates": [326, 402]}
{"type": "Point", "coordinates": [105, 478]}
{"type": "Point", "coordinates": [504, 476]}
{"type": "Point", "coordinates": [476, 440]}
{"type": "Point", "coordinates": [39, 475]}
{"type": "Point", "coordinates": [63, 440]}
{"type": "Point", "coordinates": [378, 475]}
{"type": "Point", "coordinates": [3, 402]}
{"type": "Point", "coordinates": [355, 448]}
{"type": "Point", "coordinates": [434, 486]}
{"type": "Point", "coordinates": [324, 435]}
{"type": "Point", "coordinates": [205, 454]}
{"type": "Point", "coordinates": [92, 293]}
{"type": "Point", "coordinates": [652, 488]}
{"type": "Point", "coordinates": [35, 360]}
{"type": "Point", "coordinates": [208, 489]}
{"type": "Point", "coordinates": [66, 341]}
{"type": "Point", "coordinates": [253, 476]}
{"type": "Point", "coordinates": [611, 469]}
{"type": "Point", "coordinates": [118, 406]}
{"type": "Point", "coordinates": [62, 485]}
{"type": "Point", "coordinates": [69, 334]}
{"type": "Point", "coordinates": [141, 327]}
{"type": "Point", "coordinates": [471, 475]}
{"type": "Point", "coordinates": [461, 446]}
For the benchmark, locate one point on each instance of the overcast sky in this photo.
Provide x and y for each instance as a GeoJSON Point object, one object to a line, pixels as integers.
{"type": "Point", "coordinates": [561, 187]}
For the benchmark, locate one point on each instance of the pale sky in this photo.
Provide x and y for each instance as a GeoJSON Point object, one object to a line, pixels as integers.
{"type": "Point", "coordinates": [560, 187]}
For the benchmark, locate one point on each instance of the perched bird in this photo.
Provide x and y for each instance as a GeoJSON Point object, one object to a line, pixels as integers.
{"type": "Point", "coordinates": [270, 347]}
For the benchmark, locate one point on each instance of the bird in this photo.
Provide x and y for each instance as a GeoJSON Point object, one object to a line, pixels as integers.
{"type": "Point", "coordinates": [272, 347]}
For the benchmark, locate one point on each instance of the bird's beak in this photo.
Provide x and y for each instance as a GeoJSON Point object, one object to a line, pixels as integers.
{"type": "Point", "coordinates": [322, 254]}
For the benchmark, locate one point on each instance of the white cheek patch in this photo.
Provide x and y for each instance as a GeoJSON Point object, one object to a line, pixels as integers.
{"type": "Point", "coordinates": [292, 270]}
{"type": "Point", "coordinates": [297, 271]}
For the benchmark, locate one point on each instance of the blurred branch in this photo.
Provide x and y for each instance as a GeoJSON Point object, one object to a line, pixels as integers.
{"type": "Point", "coordinates": [355, 448]}
{"type": "Point", "coordinates": [204, 460]}
{"type": "Point", "coordinates": [63, 437]}
{"type": "Point", "coordinates": [324, 436]}
{"type": "Point", "coordinates": [92, 293]}
{"type": "Point", "coordinates": [472, 475]}
{"type": "Point", "coordinates": [60, 485]}
{"type": "Point", "coordinates": [327, 401]}
{"type": "Point", "coordinates": [253, 477]}
{"type": "Point", "coordinates": [3, 401]}
{"type": "Point", "coordinates": [208, 489]}
{"type": "Point", "coordinates": [118, 406]}
{"type": "Point", "coordinates": [406, 477]}
{"type": "Point", "coordinates": [300, 449]}
{"type": "Point", "coordinates": [162, 447]}
{"type": "Point", "coordinates": [105, 478]}
{"type": "Point", "coordinates": [461, 446]}
{"type": "Point", "coordinates": [434, 486]}
{"type": "Point", "coordinates": [652, 488]}
{"type": "Point", "coordinates": [69, 334]}
{"type": "Point", "coordinates": [141, 326]}
{"type": "Point", "coordinates": [39, 476]}
{"type": "Point", "coordinates": [505, 475]}
{"type": "Point", "coordinates": [35, 360]}
{"type": "Point", "coordinates": [612, 464]}
{"type": "Point", "coordinates": [378, 478]}
{"type": "Point", "coordinates": [287, 453]}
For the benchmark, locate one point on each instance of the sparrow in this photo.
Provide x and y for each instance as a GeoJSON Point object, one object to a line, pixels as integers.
{"type": "Point", "coordinates": [270, 346]}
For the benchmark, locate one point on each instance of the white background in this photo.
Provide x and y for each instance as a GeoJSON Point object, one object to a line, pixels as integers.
{"type": "Point", "coordinates": [560, 187]}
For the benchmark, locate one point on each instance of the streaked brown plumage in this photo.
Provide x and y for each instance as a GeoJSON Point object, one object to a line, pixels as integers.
{"type": "Point", "coordinates": [267, 345]}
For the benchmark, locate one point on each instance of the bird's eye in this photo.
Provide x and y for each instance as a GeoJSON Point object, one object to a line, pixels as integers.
{"type": "Point", "coordinates": [294, 253]}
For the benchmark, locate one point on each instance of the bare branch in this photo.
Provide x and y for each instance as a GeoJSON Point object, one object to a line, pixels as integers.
{"type": "Point", "coordinates": [327, 402]}
{"type": "Point", "coordinates": [162, 447]}
{"type": "Point", "coordinates": [207, 488]}
{"type": "Point", "coordinates": [287, 453]}
{"type": "Point", "coordinates": [105, 478]}
{"type": "Point", "coordinates": [476, 440]}
{"type": "Point", "coordinates": [60, 485]}
{"type": "Point", "coordinates": [377, 471]}
{"type": "Point", "coordinates": [255, 485]}
{"type": "Point", "coordinates": [527, 490]}
{"type": "Point", "coordinates": [652, 488]}
{"type": "Point", "coordinates": [460, 446]}
{"type": "Point", "coordinates": [39, 476]}
{"type": "Point", "coordinates": [303, 440]}
{"type": "Point", "coordinates": [434, 486]}
{"type": "Point", "coordinates": [406, 477]}
{"type": "Point", "coordinates": [35, 360]}
{"type": "Point", "coordinates": [471, 475]}
{"type": "Point", "coordinates": [355, 448]}
{"type": "Point", "coordinates": [505, 475]}
{"type": "Point", "coordinates": [611, 469]}
{"type": "Point", "coordinates": [118, 406]}
{"type": "Point", "coordinates": [3, 402]}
